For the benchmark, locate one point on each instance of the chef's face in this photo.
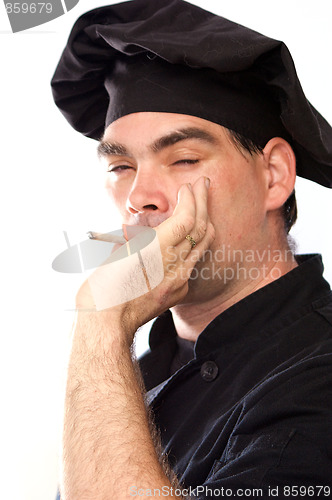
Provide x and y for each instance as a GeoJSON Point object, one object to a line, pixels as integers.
{"type": "Point", "coordinates": [150, 155]}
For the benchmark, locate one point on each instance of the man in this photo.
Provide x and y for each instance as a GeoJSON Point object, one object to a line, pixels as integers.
{"type": "Point", "coordinates": [203, 124]}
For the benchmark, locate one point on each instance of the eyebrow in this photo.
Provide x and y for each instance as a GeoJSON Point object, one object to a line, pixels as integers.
{"type": "Point", "coordinates": [106, 148]}
{"type": "Point", "coordinates": [182, 135]}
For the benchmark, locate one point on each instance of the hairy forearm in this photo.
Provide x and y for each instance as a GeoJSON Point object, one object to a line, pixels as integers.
{"type": "Point", "coordinates": [108, 445]}
{"type": "Point", "coordinates": [108, 441]}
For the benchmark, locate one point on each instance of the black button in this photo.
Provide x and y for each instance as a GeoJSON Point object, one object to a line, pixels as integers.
{"type": "Point", "coordinates": [209, 371]}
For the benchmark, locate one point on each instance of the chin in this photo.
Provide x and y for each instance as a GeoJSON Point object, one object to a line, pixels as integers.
{"type": "Point", "coordinates": [200, 289]}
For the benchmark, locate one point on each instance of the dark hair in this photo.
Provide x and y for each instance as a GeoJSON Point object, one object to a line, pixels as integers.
{"type": "Point", "coordinates": [289, 208]}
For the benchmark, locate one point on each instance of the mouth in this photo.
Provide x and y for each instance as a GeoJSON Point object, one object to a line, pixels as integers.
{"type": "Point", "coordinates": [151, 220]}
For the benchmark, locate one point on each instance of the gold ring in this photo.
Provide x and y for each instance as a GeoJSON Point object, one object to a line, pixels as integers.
{"type": "Point", "coordinates": [191, 240]}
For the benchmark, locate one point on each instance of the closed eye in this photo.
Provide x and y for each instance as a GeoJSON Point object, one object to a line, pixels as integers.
{"type": "Point", "coordinates": [118, 168]}
{"type": "Point", "coordinates": [186, 161]}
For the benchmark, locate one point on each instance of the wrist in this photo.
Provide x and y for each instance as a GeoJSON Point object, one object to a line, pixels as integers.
{"type": "Point", "coordinates": [106, 329]}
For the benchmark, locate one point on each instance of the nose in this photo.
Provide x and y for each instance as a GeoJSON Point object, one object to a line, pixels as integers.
{"type": "Point", "coordinates": [148, 193]}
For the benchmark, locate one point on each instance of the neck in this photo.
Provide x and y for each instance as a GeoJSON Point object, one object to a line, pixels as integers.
{"type": "Point", "coordinates": [192, 316]}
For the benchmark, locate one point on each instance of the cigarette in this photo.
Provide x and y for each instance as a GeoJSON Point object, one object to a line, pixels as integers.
{"type": "Point", "coordinates": [109, 237]}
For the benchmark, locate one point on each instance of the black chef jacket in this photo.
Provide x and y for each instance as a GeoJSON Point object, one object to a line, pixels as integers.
{"type": "Point", "coordinates": [253, 409]}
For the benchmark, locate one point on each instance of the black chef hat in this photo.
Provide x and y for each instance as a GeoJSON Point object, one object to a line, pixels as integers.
{"type": "Point", "coordinates": [171, 56]}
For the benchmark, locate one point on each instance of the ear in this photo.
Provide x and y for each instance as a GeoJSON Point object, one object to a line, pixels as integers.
{"type": "Point", "coordinates": [280, 165]}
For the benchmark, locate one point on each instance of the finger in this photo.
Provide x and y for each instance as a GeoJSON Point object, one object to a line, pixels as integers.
{"type": "Point", "coordinates": [174, 229]}
{"type": "Point", "coordinates": [200, 191]}
{"type": "Point", "coordinates": [197, 253]}
{"type": "Point", "coordinates": [198, 232]}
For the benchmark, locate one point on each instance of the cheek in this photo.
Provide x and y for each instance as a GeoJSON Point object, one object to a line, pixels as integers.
{"type": "Point", "coordinates": [237, 189]}
{"type": "Point", "coordinates": [223, 194]}
{"type": "Point", "coordinates": [118, 193]}
{"type": "Point", "coordinates": [234, 209]}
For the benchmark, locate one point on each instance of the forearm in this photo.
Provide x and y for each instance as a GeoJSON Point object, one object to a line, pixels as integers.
{"type": "Point", "coordinates": [108, 445]}
{"type": "Point", "coordinates": [108, 442]}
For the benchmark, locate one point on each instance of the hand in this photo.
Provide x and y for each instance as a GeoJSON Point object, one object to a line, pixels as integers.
{"type": "Point", "coordinates": [190, 217]}
{"type": "Point", "coordinates": [140, 287]}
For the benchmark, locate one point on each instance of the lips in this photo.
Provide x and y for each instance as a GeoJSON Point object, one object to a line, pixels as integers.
{"type": "Point", "coordinates": [150, 220]}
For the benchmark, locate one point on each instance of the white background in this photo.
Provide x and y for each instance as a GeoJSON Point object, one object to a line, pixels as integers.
{"type": "Point", "coordinates": [51, 181]}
